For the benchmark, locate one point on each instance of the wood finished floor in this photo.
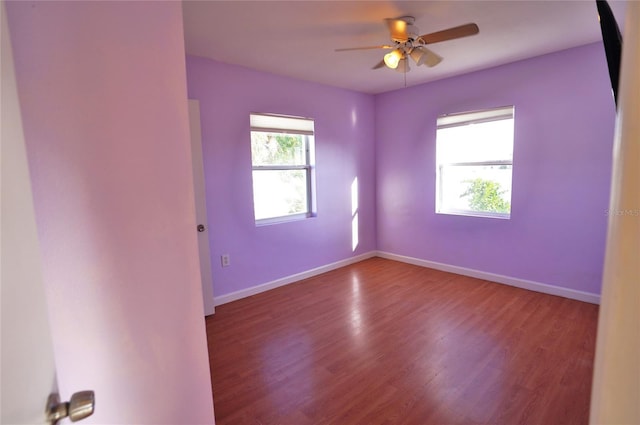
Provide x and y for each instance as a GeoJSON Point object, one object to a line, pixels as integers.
{"type": "Point", "coordinates": [382, 342]}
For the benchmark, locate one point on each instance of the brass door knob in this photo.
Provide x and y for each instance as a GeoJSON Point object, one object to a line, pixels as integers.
{"type": "Point", "coordinates": [80, 406]}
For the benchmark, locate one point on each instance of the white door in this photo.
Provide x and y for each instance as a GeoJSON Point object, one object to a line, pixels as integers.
{"type": "Point", "coordinates": [113, 205]}
{"type": "Point", "coordinates": [201, 206]}
{"type": "Point", "coordinates": [28, 369]}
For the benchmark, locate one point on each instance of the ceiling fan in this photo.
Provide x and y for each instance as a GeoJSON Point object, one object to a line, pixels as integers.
{"type": "Point", "coordinates": [408, 43]}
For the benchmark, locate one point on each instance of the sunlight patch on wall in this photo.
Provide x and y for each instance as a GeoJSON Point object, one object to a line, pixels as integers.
{"type": "Point", "coordinates": [354, 214]}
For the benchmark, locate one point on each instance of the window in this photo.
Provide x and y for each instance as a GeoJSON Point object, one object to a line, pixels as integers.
{"type": "Point", "coordinates": [282, 158]}
{"type": "Point", "coordinates": [474, 158]}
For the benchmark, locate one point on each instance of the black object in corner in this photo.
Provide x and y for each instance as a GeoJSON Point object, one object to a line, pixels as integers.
{"type": "Point", "coordinates": [612, 43]}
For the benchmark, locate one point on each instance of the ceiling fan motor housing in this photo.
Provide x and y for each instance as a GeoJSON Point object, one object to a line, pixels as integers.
{"type": "Point", "coordinates": [408, 28]}
{"type": "Point", "coordinates": [412, 32]}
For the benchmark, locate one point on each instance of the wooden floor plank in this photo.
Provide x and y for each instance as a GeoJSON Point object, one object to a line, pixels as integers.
{"type": "Point", "coordinates": [383, 342]}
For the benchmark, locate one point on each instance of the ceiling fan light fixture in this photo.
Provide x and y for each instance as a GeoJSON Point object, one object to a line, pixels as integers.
{"type": "Point", "coordinates": [423, 56]}
{"type": "Point", "coordinates": [418, 55]}
{"type": "Point", "coordinates": [403, 65]}
{"type": "Point", "coordinates": [431, 59]}
{"type": "Point", "coordinates": [392, 59]}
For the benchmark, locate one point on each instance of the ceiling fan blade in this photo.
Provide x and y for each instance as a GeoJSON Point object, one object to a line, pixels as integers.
{"type": "Point", "coordinates": [383, 46]}
{"type": "Point", "coordinates": [379, 65]}
{"type": "Point", "coordinates": [397, 29]}
{"type": "Point", "coordinates": [450, 34]}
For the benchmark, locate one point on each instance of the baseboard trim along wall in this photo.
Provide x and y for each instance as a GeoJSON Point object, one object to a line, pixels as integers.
{"type": "Point", "coordinates": [227, 298]}
{"type": "Point", "coordinates": [497, 278]}
{"type": "Point", "coordinates": [506, 280]}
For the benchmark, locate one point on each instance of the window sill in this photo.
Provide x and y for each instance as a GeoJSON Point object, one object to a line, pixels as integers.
{"type": "Point", "coordinates": [283, 219]}
{"type": "Point", "coordinates": [481, 214]}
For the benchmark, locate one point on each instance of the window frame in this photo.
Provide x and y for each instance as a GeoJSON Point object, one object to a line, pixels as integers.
{"type": "Point", "coordinates": [463, 119]}
{"type": "Point", "coordinates": [305, 129]}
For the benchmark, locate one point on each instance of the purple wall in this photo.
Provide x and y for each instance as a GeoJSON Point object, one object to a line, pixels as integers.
{"type": "Point", "coordinates": [564, 126]}
{"type": "Point", "coordinates": [344, 149]}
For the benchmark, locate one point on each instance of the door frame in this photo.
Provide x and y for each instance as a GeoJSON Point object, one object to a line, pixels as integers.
{"type": "Point", "coordinates": [199, 189]}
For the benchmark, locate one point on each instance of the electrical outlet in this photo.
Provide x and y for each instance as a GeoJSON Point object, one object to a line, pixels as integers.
{"type": "Point", "coordinates": [225, 259]}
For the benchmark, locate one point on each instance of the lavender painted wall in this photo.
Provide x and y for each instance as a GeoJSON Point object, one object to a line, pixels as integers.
{"type": "Point", "coordinates": [344, 150]}
{"type": "Point", "coordinates": [564, 126]}
{"type": "Point", "coordinates": [104, 105]}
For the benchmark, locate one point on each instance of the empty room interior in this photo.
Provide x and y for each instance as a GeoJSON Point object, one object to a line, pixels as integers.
{"type": "Point", "coordinates": [324, 212]}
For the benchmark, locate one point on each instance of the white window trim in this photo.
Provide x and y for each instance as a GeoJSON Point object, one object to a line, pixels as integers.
{"type": "Point", "coordinates": [471, 213]}
{"type": "Point", "coordinates": [281, 123]}
{"type": "Point", "coordinates": [287, 124]}
{"type": "Point", "coordinates": [467, 118]}
{"type": "Point", "coordinates": [476, 117]}
{"type": "Point", "coordinates": [283, 219]}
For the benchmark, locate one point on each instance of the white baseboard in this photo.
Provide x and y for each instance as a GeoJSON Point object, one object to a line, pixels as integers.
{"type": "Point", "coordinates": [507, 280]}
{"type": "Point", "coordinates": [227, 298]}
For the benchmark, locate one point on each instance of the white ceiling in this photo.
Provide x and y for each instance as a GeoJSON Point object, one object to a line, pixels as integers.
{"type": "Point", "coordinates": [297, 38]}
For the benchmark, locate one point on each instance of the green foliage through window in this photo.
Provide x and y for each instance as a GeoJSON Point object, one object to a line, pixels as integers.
{"type": "Point", "coordinates": [277, 149]}
{"type": "Point", "coordinates": [486, 195]}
